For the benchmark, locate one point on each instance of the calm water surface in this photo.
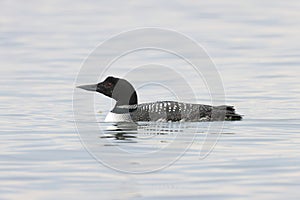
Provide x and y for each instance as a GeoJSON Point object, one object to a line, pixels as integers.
{"type": "Point", "coordinates": [255, 46]}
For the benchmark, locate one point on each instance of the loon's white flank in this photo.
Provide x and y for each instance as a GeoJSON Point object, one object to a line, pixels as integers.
{"type": "Point", "coordinates": [116, 117]}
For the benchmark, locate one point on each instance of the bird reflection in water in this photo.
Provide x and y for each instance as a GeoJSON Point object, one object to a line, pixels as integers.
{"type": "Point", "coordinates": [121, 131]}
{"type": "Point", "coordinates": [128, 131]}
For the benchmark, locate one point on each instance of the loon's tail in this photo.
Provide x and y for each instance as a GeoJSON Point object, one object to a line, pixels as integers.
{"type": "Point", "coordinates": [230, 114]}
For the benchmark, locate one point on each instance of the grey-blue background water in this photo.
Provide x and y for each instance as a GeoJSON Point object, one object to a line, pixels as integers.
{"type": "Point", "coordinates": [255, 47]}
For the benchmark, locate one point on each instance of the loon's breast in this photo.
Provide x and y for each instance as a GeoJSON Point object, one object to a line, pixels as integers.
{"type": "Point", "coordinates": [118, 117]}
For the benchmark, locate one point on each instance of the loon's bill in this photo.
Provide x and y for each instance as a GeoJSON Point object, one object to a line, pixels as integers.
{"type": "Point", "coordinates": [92, 87]}
{"type": "Point", "coordinates": [127, 108]}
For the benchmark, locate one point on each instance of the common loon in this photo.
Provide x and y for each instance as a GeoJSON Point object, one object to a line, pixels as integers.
{"type": "Point", "coordinates": [127, 108]}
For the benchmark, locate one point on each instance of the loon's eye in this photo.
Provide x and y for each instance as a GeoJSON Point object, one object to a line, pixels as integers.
{"type": "Point", "coordinates": [108, 84]}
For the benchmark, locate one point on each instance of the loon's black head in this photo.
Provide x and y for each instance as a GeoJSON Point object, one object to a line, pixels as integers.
{"type": "Point", "coordinates": [119, 89]}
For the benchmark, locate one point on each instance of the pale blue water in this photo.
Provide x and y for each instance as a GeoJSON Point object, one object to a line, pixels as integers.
{"type": "Point", "coordinates": [255, 47]}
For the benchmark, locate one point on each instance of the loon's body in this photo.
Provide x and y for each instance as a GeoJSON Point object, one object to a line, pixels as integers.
{"type": "Point", "coordinates": [127, 108]}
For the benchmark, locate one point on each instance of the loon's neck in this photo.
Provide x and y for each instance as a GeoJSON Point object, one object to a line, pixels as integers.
{"type": "Point", "coordinates": [126, 104]}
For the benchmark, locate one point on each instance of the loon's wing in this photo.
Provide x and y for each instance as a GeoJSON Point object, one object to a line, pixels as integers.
{"type": "Point", "coordinates": [177, 111]}
{"type": "Point", "coordinates": [171, 111]}
{"type": "Point", "coordinates": [157, 111]}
